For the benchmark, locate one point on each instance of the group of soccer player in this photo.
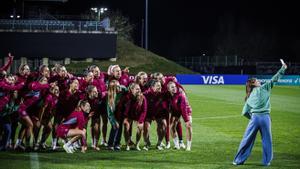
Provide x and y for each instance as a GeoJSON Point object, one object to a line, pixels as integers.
{"type": "Point", "coordinates": [62, 104]}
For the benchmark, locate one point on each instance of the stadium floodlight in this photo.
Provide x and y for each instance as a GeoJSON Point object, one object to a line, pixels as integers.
{"type": "Point", "coordinates": [18, 16]}
{"type": "Point", "coordinates": [11, 16]}
{"type": "Point", "coordinates": [99, 11]}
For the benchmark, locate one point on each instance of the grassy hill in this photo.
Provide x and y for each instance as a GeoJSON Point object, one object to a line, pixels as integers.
{"type": "Point", "coordinates": [134, 57]}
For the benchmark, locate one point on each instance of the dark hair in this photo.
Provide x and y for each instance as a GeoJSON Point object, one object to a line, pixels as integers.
{"type": "Point", "coordinates": [41, 78]}
{"type": "Point", "coordinates": [92, 67]}
{"type": "Point", "coordinates": [152, 82]}
{"type": "Point", "coordinates": [86, 73]}
{"type": "Point", "coordinates": [82, 103]}
{"type": "Point", "coordinates": [156, 75]}
{"type": "Point", "coordinates": [249, 87]}
{"type": "Point", "coordinates": [89, 88]}
{"type": "Point", "coordinates": [9, 75]}
{"type": "Point", "coordinates": [70, 81]}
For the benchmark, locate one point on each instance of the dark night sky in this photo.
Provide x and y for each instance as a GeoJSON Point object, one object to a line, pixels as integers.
{"type": "Point", "coordinates": [190, 28]}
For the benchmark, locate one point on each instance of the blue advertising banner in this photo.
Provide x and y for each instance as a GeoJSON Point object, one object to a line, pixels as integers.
{"type": "Point", "coordinates": [212, 79]}
{"type": "Point", "coordinates": [289, 80]}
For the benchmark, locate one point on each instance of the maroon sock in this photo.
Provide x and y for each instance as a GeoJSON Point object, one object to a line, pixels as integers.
{"type": "Point", "coordinates": [179, 130]}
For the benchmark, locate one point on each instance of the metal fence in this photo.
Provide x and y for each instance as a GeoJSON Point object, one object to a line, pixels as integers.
{"type": "Point", "coordinates": [233, 65]}
{"type": "Point", "coordinates": [214, 60]}
{"type": "Point", "coordinates": [54, 25]}
{"type": "Point", "coordinates": [266, 68]}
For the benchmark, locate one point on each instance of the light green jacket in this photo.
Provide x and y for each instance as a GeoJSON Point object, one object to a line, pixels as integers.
{"type": "Point", "coordinates": [259, 99]}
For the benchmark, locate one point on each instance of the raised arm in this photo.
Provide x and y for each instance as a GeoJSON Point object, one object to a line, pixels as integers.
{"type": "Point", "coordinates": [38, 86]}
{"type": "Point", "coordinates": [275, 78]}
{"type": "Point", "coordinates": [10, 87]}
{"type": "Point", "coordinates": [279, 74]}
{"type": "Point", "coordinates": [8, 64]}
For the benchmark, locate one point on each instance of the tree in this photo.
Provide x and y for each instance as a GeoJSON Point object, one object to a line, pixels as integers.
{"type": "Point", "coordinates": [121, 24]}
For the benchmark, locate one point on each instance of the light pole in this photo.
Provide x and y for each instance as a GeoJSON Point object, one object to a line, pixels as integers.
{"type": "Point", "coordinates": [14, 16]}
{"type": "Point", "coordinates": [99, 11]}
{"type": "Point", "coordinates": [146, 25]}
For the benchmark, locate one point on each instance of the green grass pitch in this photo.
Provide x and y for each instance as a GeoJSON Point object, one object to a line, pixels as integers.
{"type": "Point", "coordinates": [217, 130]}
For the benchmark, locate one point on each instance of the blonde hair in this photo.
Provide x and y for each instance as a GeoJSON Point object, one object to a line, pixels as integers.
{"type": "Point", "coordinates": [140, 97]}
{"type": "Point", "coordinates": [111, 92]}
{"type": "Point", "coordinates": [111, 68]}
{"type": "Point", "coordinates": [139, 75]}
{"type": "Point", "coordinates": [21, 68]}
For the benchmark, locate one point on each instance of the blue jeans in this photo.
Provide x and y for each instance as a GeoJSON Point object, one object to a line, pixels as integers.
{"type": "Point", "coordinates": [6, 135]}
{"type": "Point", "coordinates": [115, 136]}
{"type": "Point", "coordinates": [261, 123]}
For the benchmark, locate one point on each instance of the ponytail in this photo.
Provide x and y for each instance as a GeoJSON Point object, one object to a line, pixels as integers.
{"type": "Point", "coordinates": [249, 87]}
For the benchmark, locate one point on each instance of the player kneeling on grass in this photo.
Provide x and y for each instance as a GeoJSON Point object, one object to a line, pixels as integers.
{"type": "Point", "coordinates": [257, 108]}
{"type": "Point", "coordinates": [73, 127]}
{"type": "Point", "coordinates": [178, 106]}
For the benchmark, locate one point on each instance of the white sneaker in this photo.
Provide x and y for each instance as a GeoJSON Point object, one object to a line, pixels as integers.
{"type": "Point", "coordinates": [168, 146]}
{"type": "Point", "coordinates": [77, 145]}
{"type": "Point", "coordinates": [177, 147]}
{"type": "Point", "coordinates": [44, 146]}
{"type": "Point", "coordinates": [67, 148]}
{"type": "Point", "coordinates": [235, 163]}
{"type": "Point", "coordinates": [95, 148]}
{"type": "Point", "coordinates": [145, 148]}
{"type": "Point", "coordinates": [103, 143]}
{"type": "Point", "coordinates": [36, 147]}
{"type": "Point", "coordinates": [127, 148]}
{"type": "Point", "coordinates": [138, 148]}
{"type": "Point", "coordinates": [160, 147]}
{"type": "Point", "coordinates": [181, 145]}
{"type": "Point", "coordinates": [188, 149]}
{"type": "Point", "coordinates": [72, 148]}
{"type": "Point", "coordinates": [19, 146]}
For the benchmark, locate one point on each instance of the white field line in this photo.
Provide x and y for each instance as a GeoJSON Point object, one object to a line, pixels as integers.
{"type": "Point", "coordinates": [34, 161]}
{"type": "Point", "coordinates": [216, 117]}
{"type": "Point", "coordinates": [207, 101]}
